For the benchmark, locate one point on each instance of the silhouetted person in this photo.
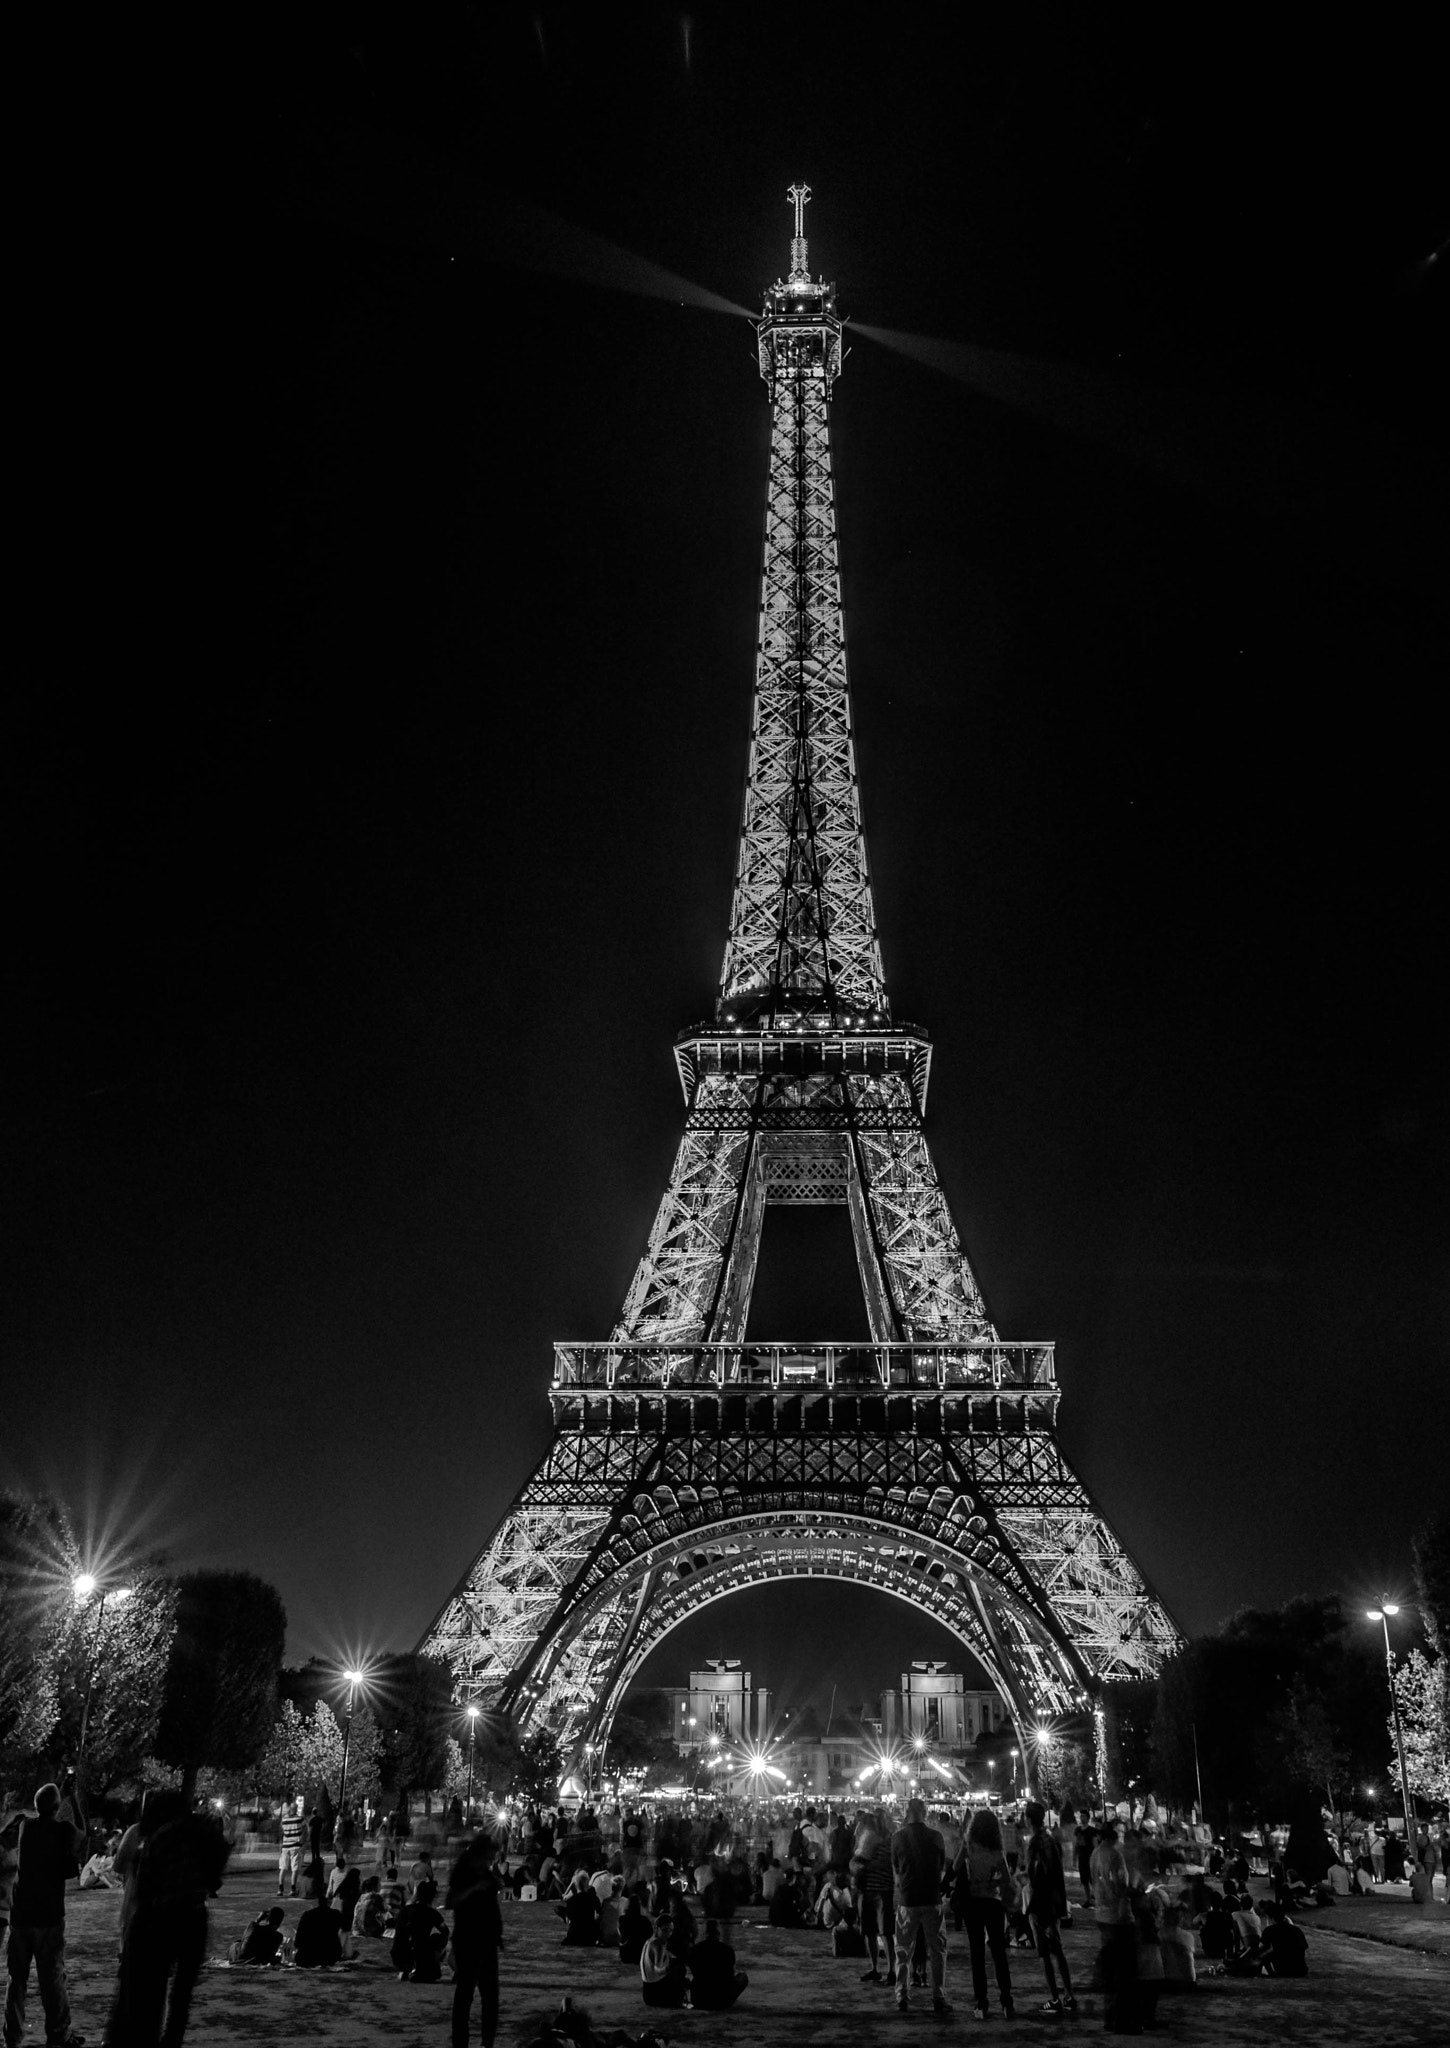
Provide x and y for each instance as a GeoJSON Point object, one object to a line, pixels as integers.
{"type": "Point", "coordinates": [262, 1942]}
{"type": "Point", "coordinates": [421, 1938]}
{"type": "Point", "coordinates": [181, 1864]}
{"type": "Point", "coordinates": [46, 1857]}
{"type": "Point", "coordinates": [715, 1983]}
{"type": "Point", "coordinates": [319, 1937]}
{"type": "Point", "coordinates": [473, 1891]}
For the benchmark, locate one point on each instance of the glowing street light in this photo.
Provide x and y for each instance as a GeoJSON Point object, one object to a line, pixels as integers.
{"type": "Point", "coordinates": [473, 1712]}
{"type": "Point", "coordinates": [1381, 1614]}
{"type": "Point", "coordinates": [85, 1584]}
{"type": "Point", "coordinates": [354, 1680]}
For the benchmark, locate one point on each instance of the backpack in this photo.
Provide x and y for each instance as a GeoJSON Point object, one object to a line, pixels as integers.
{"type": "Point", "coordinates": [847, 1941]}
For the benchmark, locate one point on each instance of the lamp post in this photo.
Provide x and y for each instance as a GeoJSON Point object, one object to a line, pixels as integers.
{"type": "Point", "coordinates": [1382, 1614]}
{"type": "Point", "coordinates": [85, 1584]}
{"type": "Point", "coordinates": [473, 1713]}
{"type": "Point", "coordinates": [1015, 1755]}
{"type": "Point", "coordinates": [354, 1680]}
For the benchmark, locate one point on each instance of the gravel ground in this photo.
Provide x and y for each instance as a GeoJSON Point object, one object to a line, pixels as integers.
{"type": "Point", "coordinates": [1363, 1992]}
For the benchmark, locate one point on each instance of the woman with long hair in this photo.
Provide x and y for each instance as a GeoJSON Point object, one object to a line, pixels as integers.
{"type": "Point", "coordinates": [983, 1885]}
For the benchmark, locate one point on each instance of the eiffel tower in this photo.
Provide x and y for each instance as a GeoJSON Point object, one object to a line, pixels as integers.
{"type": "Point", "coordinates": [687, 1463]}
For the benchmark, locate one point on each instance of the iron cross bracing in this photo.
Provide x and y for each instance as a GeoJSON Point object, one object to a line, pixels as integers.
{"type": "Point", "coordinates": [685, 1463]}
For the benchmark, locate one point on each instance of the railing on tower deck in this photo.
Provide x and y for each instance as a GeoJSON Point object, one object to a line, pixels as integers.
{"type": "Point", "coordinates": [861, 1368]}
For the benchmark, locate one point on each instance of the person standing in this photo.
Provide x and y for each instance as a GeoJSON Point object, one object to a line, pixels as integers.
{"type": "Point", "coordinates": [875, 1881]}
{"type": "Point", "coordinates": [1047, 1906]}
{"type": "Point", "coordinates": [181, 1864]}
{"type": "Point", "coordinates": [1377, 1856]}
{"type": "Point", "coordinates": [1117, 1932]}
{"type": "Point", "coordinates": [631, 1838]}
{"type": "Point", "coordinates": [294, 1835]}
{"type": "Point", "coordinates": [918, 1860]}
{"type": "Point", "coordinates": [984, 1883]}
{"type": "Point", "coordinates": [473, 1901]}
{"type": "Point", "coordinates": [45, 1858]}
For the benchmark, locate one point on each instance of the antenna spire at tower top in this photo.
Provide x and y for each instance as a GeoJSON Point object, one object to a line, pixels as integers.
{"type": "Point", "coordinates": [799, 268]}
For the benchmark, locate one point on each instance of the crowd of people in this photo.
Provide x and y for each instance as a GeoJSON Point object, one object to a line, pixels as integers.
{"type": "Point", "coordinates": [661, 1893]}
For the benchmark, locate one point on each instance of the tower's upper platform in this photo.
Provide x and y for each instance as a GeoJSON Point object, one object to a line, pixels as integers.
{"type": "Point", "coordinates": [799, 332]}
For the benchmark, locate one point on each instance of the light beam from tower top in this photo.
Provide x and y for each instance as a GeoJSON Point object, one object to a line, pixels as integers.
{"type": "Point", "coordinates": [798, 328]}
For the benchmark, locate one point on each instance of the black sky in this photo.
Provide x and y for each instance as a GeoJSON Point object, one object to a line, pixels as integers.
{"type": "Point", "coordinates": [392, 632]}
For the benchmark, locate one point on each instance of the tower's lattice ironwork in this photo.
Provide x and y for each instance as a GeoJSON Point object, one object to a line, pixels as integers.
{"type": "Point", "coordinates": [687, 1464]}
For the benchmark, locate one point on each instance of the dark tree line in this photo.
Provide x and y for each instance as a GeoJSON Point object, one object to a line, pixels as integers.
{"type": "Point", "coordinates": [1279, 1713]}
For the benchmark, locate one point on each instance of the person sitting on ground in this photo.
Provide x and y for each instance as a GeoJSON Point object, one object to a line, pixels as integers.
{"type": "Point", "coordinates": [579, 1911]}
{"type": "Point", "coordinates": [1214, 1923]}
{"type": "Point", "coordinates": [664, 1886]}
{"type": "Point", "coordinates": [663, 1978]}
{"type": "Point", "coordinates": [318, 1944]}
{"type": "Point", "coordinates": [421, 1938]}
{"type": "Point", "coordinates": [785, 1904]}
{"type": "Point", "coordinates": [395, 1906]}
{"type": "Point", "coordinates": [609, 1912]}
{"type": "Point", "coordinates": [635, 1927]}
{"type": "Point", "coordinates": [682, 1940]}
{"type": "Point", "coordinates": [1248, 1927]}
{"type": "Point", "coordinates": [262, 1942]}
{"type": "Point", "coordinates": [771, 1878]}
{"type": "Point", "coordinates": [344, 1887]}
{"type": "Point", "coordinates": [1281, 1951]}
{"type": "Point", "coordinates": [715, 1983]}
{"type": "Point", "coordinates": [421, 1871]}
{"type": "Point", "coordinates": [369, 1938]}
{"type": "Point", "coordinates": [835, 1907]}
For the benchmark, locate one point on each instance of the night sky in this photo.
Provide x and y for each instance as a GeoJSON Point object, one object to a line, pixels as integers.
{"type": "Point", "coordinates": [395, 589]}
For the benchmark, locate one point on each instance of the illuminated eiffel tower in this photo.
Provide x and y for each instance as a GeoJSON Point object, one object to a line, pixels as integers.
{"type": "Point", "coordinates": [687, 1464]}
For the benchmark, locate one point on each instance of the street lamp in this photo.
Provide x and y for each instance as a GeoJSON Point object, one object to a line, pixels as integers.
{"type": "Point", "coordinates": [472, 1737]}
{"type": "Point", "coordinates": [84, 1585]}
{"type": "Point", "coordinates": [1382, 1614]}
{"type": "Point", "coordinates": [354, 1680]}
{"type": "Point", "coordinates": [1015, 1755]}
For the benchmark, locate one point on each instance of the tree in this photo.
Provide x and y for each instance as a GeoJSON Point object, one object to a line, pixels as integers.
{"type": "Point", "coordinates": [1128, 1710]}
{"type": "Point", "coordinates": [1314, 1758]}
{"type": "Point", "coordinates": [281, 1768]}
{"type": "Point", "coordinates": [38, 1564]}
{"type": "Point", "coordinates": [1422, 1690]}
{"type": "Point", "coordinates": [644, 1735]}
{"type": "Point", "coordinates": [415, 1702]}
{"type": "Point", "coordinates": [539, 1766]}
{"type": "Point", "coordinates": [65, 1663]}
{"type": "Point", "coordinates": [112, 1673]}
{"type": "Point", "coordinates": [1431, 1550]}
{"type": "Point", "coordinates": [220, 1695]}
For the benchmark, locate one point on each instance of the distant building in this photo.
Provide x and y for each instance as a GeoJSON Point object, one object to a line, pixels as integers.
{"type": "Point", "coordinates": [720, 1709]}
{"type": "Point", "coordinates": [935, 1703]}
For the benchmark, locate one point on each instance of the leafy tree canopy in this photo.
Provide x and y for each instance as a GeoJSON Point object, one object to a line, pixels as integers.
{"type": "Point", "coordinates": [220, 1698]}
